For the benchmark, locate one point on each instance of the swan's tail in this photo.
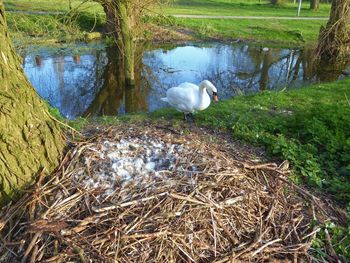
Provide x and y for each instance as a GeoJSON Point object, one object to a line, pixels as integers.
{"type": "Point", "coordinates": [164, 99]}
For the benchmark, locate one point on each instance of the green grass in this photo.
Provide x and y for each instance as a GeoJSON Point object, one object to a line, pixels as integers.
{"type": "Point", "coordinates": [286, 32]}
{"type": "Point", "coordinates": [61, 27]}
{"type": "Point", "coordinates": [242, 8]}
{"type": "Point", "coordinates": [51, 6]}
{"type": "Point", "coordinates": [33, 28]}
{"type": "Point", "coordinates": [199, 7]}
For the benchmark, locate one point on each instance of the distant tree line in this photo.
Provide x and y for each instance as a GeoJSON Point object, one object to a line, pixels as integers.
{"type": "Point", "coordinates": [314, 4]}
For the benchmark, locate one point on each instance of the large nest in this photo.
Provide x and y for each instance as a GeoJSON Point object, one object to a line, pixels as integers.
{"type": "Point", "coordinates": [154, 195]}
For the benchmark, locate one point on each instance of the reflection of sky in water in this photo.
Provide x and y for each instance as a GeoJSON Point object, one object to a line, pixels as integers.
{"type": "Point", "coordinates": [233, 69]}
{"type": "Point", "coordinates": [71, 84]}
{"type": "Point", "coordinates": [67, 85]}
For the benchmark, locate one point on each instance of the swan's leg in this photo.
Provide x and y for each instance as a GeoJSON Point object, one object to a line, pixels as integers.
{"type": "Point", "coordinates": [190, 117]}
{"type": "Point", "coordinates": [185, 116]}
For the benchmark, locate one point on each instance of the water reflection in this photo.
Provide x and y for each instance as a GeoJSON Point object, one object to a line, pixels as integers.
{"type": "Point", "coordinates": [67, 83]}
{"type": "Point", "coordinates": [115, 97]}
{"type": "Point", "coordinates": [92, 83]}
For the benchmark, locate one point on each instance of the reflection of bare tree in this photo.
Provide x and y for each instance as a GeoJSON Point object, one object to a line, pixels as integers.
{"type": "Point", "coordinates": [316, 70]}
{"type": "Point", "coordinates": [110, 98]}
{"type": "Point", "coordinates": [328, 71]}
{"type": "Point", "coordinates": [256, 75]}
{"type": "Point", "coordinates": [135, 96]}
{"type": "Point", "coordinates": [79, 88]}
{"type": "Point", "coordinates": [58, 65]}
{"type": "Point", "coordinates": [308, 64]}
{"type": "Point", "coordinates": [264, 73]}
{"type": "Point", "coordinates": [38, 60]}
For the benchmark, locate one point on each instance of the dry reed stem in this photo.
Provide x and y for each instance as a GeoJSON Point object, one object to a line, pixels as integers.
{"type": "Point", "coordinates": [225, 210]}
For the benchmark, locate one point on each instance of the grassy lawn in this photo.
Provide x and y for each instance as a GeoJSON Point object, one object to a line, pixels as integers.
{"type": "Point", "coordinates": [242, 8]}
{"type": "Point", "coordinates": [33, 28]}
{"type": "Point", "coordinates": [286, 32]}
{"type": "Point", "coordinates": [198, 7]}
{"type": "Point", "coordinates": [50, 6]}
{"type": "Point", "coordinates": [65, 28]}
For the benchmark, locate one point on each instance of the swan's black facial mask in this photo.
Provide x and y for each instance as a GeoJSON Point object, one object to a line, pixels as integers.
{"type": "Point", "coordinates": [215, 96]}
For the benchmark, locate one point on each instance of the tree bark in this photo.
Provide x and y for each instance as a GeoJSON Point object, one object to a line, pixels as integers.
{"type": "Point", "coordinates": [315, 5]}
{"type": "Point", "coordinates": [29, 139]}
{"type": "Point", "coordinates": [122, 27]}
{"type": "Point", "coordinates": [128, 46]}
{"type": "Point", "coordinates": [112, 21]}
{"type": "Point", "coordinates": [334, 40]}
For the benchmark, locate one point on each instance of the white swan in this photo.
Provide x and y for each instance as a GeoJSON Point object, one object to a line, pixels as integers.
{"type": "Point", "coordinates": [189, 98]}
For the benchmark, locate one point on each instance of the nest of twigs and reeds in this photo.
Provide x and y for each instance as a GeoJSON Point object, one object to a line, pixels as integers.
{"type": "Point", "coordinates": [151, 194]}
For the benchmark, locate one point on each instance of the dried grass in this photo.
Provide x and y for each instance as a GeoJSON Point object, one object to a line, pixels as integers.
{"type": "Point", "coordinates": [228, 210]}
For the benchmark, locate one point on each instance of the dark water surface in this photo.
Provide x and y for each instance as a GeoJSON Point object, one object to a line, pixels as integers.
{"type": "Point", "coordinates": [88, 80]}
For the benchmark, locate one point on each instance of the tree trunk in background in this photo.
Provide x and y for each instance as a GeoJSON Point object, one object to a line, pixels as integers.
{"type": "Point", "coordinates": [29, 139]}
{"type": "Point", "coordinates": [112, 21]}
{"type": "Point", "coordinates": [127, 39]}
{"type": "Point", "coordinates": [334, 40]}
{"type": "Point", "coordinates": [315, 4]}
{"type": "Point", "coordinates": [121, 25]}
{"type": "Point", "coordinates": [277, 2]}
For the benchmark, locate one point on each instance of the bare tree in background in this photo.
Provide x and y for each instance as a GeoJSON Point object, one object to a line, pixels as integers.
{"type": "Point", "coordinates": [125, 25]}
{"type": "Point", "coordinates": [315, 4]}
{"type": "Point", "coordinates": [277, 2]}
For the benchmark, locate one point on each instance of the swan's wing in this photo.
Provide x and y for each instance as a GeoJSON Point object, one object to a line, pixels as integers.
{"type": "Point", "coordinates": [182, 98]}
{"type": "Point", "coordinates": [188, 85]}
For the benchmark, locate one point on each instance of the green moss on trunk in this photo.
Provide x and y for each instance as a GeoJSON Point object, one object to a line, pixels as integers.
{"type": "Point", "coordinates": [128, 43]}
{"type": "Point", "coordinates": [29, 139]}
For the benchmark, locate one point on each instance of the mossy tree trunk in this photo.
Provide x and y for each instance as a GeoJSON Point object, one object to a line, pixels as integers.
{"type": "Point", "coordinates": [315, 4]}
{"type": "Point", "coordinates": [127, 39]}
{"type": "Point", "coordinates": [112, 21]}
{"type": "Point", "coordinates": [29, 139]}
{"type": "Point", "coordinates": [121, 25]}
{"type": "Point", "coordinates": [334, 39]}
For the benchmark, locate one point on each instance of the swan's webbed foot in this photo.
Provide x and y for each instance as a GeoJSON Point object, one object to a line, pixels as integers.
{"type": "Point", "coordinates": [188, 117]}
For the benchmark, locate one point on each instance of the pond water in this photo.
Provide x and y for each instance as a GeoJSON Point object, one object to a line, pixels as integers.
{"type": "Point", "coordinates": [88, 80]}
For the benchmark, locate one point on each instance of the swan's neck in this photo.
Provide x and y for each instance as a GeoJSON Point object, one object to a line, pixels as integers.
{"type": "Point", "coordinates": [202, 89]}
